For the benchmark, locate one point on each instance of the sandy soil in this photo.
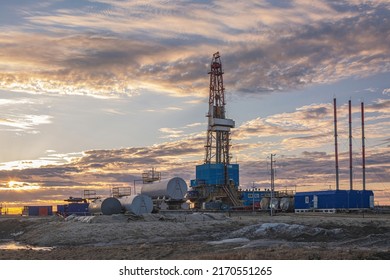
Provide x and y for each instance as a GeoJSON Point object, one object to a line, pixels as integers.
{"type": "Point", "coordinates": [199, 236]}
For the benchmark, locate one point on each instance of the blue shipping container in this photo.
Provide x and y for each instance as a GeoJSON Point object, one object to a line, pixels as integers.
{"type": "Point", "coordinates": [341, 199]}
{"type": "Point", "coordinates": [39, 210]}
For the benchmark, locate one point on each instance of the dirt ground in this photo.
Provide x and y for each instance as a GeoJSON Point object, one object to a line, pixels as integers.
{"type": "Point", "coordinates": [197, 236]}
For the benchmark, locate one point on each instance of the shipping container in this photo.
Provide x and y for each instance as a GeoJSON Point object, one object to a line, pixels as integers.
{"type": "Point", "coordinates": [37, 211]}
{"type": "Point", "coordinates": [337, 200]}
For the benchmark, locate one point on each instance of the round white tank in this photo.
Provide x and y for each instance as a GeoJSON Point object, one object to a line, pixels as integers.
{"type": "Point", "coordinates": [287, 203]}
{"type": "Point", "coordinates": [175, 189]}
{"type": "Point", "coordinates": [274, 203]}
{"type": "Point", "coordinates": [105, 206]}
{"type": "Point", "coordinates": [137, 204]}
{"type": "Point", "coordinates": [264, 203]}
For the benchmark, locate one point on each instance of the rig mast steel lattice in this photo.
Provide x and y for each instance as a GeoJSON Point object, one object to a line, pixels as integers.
{"type": "Point", "coordinates": [218, 131]}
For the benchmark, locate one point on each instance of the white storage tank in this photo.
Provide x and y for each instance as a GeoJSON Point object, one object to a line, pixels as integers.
{"type": "Point", "coordinates": [264, 203]}
{"type": "Point", "coordinates": [137, 204]}
{"type": "Point", "coordinates": [274, 203]}
{"type": "Point", "coordinates": [174, 189]}
{"type": "Point", "coordinates": [287, 204]}
{"type": "Point", "coordinates": [105, 206]}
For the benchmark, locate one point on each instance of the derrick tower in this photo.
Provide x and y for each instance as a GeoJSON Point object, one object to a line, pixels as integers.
{"type": "Point", "coordinates": [217, 180]}
{"type": "Point", "coordinates": [218, 131]}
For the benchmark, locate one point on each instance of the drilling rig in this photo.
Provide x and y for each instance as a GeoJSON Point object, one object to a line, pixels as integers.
{"type": "Point", "coordinates": [217, 180]}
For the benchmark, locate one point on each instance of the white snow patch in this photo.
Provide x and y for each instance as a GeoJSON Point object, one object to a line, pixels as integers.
{"type": "Point", "coordinates": [229, 241]}
{"type": "Point", "coordinates": [83, 219]}
{"type": "Point", "coordinates": [280, 227]}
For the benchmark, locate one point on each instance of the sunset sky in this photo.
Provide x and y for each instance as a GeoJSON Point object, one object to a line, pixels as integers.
{"type": "Point", "coordinates": [94, 92]}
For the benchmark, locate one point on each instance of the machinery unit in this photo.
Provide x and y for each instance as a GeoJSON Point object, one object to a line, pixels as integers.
{"type": "Point", "coordinates": [78, 209]}
{"type": "Point", "coordinates": [76, 206]}
{"type": "Point", "coordinates": [214, 174]}
{"type": "Point", "coordinates": [216, 180]}
{"type": "Point", "coordinates": [281, 200]}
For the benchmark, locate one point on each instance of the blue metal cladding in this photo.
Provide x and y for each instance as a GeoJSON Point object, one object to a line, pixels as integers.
{"type": "Point", "coordinates": [40, 210]}
{"type": "Point", "coordinates": [33, 210]}
{"type": "Point", "coordinates": [249, 197]}
{"type": "Point", "coordinates": [213, 174]}
{"type": "Point", "coordinates": [341, 199]}
{"type": "Point", "coordinates": [77, 208]}
{"type": "Point", "coordinates": [80, 209]}
{"type": "Point", "coordinates": [61, 208]}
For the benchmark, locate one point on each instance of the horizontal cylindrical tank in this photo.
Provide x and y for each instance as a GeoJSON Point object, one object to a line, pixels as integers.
{"type": "Point", "coordinates": [105, 206]}
{"type": "Point", "coordinates": [286, 204]}
{"type": "Point", "coordinates": [274, 203]}
{"type": "Point", "coordinates": [264, 203]}
{"type": "Point", "coordinates": [175, 189]}
{"type": "Point", "coordinates": [137, 204]}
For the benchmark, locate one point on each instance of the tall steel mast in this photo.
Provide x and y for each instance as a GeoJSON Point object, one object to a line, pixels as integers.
{"type": "Point", "coordinates": [218, 131]}
{"type": "Point", "coordinates": [350, 146]}
{"type": "Point", "coordinates": [335, 144]}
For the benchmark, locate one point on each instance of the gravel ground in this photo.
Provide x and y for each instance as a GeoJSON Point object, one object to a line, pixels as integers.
{"type": "Point", "coordinates": [197, 236]}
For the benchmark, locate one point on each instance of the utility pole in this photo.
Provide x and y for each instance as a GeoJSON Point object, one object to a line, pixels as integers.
{"type": "Point", "coordinates": [253, 197]}
{"type": "Point", "coordinates": [272, 181]}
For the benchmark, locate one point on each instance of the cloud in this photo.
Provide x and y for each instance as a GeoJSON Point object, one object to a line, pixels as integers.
{"type": "Point", "coordinates": [24, 123]}
{"type": "Point", "coordinates": [13, 102]}
{"type": "Point", "coordinates": [104, 169]}
{"type": "Point", "coordinates": [305, 120]}
{"type": "Point", "coordinates": [312, 166]}
{"type": "Point", "coordinates": [171, 132]}
{"type": "Point", "coordinates": [195, 124]}
{"type": "Point", "coordinates": [166, 109]}
{"type": "Point", "coordinates": [20, 186]}
{"type": "Point", "coordinates": [115, 48]}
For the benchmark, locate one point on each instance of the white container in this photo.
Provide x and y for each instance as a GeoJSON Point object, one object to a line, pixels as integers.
{"type": "Point", "coordinates": [105, 206]}
{"type": "Point", "coordinates": [137, 204]}
{"type": "Point", "coordinates": [274, 203]}
{"type": "Point", "coordinates": [286, 204]}
{"type": "Point", "coordinates": [264, 203]}
{"type": "Point", "coordinates": [174, 189]}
